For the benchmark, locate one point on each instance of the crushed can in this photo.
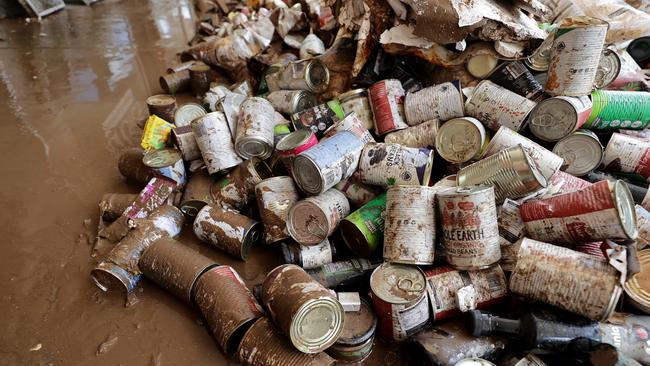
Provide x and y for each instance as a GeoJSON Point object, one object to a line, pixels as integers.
{"type": "Point", "coordinates": [215, 142]}
{"type": "Point", "coordinates": [441, 102]}
{"type": "Point", "coordinates": [237, 189]}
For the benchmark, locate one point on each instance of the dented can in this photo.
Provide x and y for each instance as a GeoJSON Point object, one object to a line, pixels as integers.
{"type": "Point", "coordinates": [275, 196]}
{"type": "Point", "coordinates": [318, 118]}
{"type": "Point", "coordinates": [255, 125]}
{"type": "Point", "coordinates": [497, 106]}
{"type": "Point", "coordinates": [410, 228]}
{"type": "Point", "coordinates": [387, 165]}
{"type": "Point", "coordinates": [356, 192]}
{"type": "Point", "coordinates": [515, 77]}
{"type": "Point", "coordinates": [215, 142]}
{"type": "Point", "coordinates": [310, 74]}
{"type": "Point", "coordinates": [199, 79]}
{"type": "Point", "coordinates": [353, 124]}
{"type": "Point", "coordinates": [582, 152]}
{"type": "Point", "coordinates": [293, 144]}
{"type": "Point", "coordinates": [187, 113]}
{"type": "Point", "coordinates": [399, 299]}
{"type": "Point", "coordinates": [490, 287]}
{"type": "Point", "coordinates": [304, 310]}
{"type": "Point", "coordinates": [442, 102]}
{"type": "Point", "coordinates": [591, 288]}
{"type": "Point", "coordinates": [308, 256]}
{"type": "Point", "coordinates": [357, 101]}
{"type": "Point", "coordinates": [196, 193]}
{"type": "Point", "coordinates": [363, 230]}
{"type": "Point", "coordinates": [557, 117]}
{"type": "Point", "coordinates": [461, 139]}
{"type": "Point", "coordinates": [422, 135]}
{"type": "Point", "coordinates": [315, 218]}
{"type": "Point", "coordinates": [356, 340]}
{"type": "Point", "coordinates": [167, 163]}
{"type": "Point", "coordinates": [470, 232]}
{"type": "Point", "coordinates": [387, 104]}
{"type": "Point", "coordinates": [609, 68]}
{"type": "Point", "coordinates": [132, 167]}
{"type": "Point", "coordinates": [163, 106]}
{"type": "Point", "coordinates": [227, 230]}
{"type": "Point", "coordinates": [185, 141]}
{"type": "Point", "coordinates": [289, 102]}
{"type": "Point", "coordinates": [627, 154]}
{"type": "Point", "coordinates": [175, 82]}
{"type": "Point", "coordinates": [237, 189]}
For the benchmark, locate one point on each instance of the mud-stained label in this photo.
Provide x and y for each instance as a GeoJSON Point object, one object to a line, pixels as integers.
{"type": "Point", "coordinates": [361, 106]}
{"type": "Point", "coordinates": [643, 225]}
{"type": "Point", "coordinates": [353, 124]}
{"type": "Point", "coordinates": [627, 154]}
{"type": "Point", "coordinates": [422, 135]}
{"type": "Point", "coordinates": [387, 103]}
{"type": "Point", "coordinates": [215, 142]}
{"type": "Point", "coordinates": [496, 106]}
{"type": "Point", "coordinates": [511, 226]}
{"type": "Point", "coordinates": [232, 275]}
{"type": "Point", "coordinates": [387, 165]}
{"type": "Point", "coordinates": [316, 255]}
{"type": "Point", "coordinates": [441, 102]}
{"type": "Point", "coordinates": [515, 76]}
{"type": "Point", "coordinates": [562, 182]}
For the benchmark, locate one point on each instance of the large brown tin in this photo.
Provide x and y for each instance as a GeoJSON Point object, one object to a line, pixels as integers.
{"type": "Point", "coordinates": [227, 230]}
{"type": "Point", "coordinates": [132, 168]}
{"type": "Point", "coordinates": [175, 82]}
{"type": "Point", "coordinates": [199, 79]}
{"type": "Point", "coordinates": [113, 205]}
{"type": "Point", "coordinates": [163, 106]}
{"type": "Point", "coordinates": [196, 193]}
{"type": "Point", "coordinates": [237, 189]}
{"type": "Point", "coordinates": [275, 196]}
{"type": "Point", "coordinates": [315, 218]}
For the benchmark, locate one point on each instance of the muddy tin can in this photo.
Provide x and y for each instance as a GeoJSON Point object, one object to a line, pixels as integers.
{"type": "Point", "coordinates": [231, 106]}
{"type": "Point", "coordinates": [614, 109]}
{"type": "Point", "coordinates": [185, 141]}
{"type": "Point", "coordinates": [490, 287]}
{"type": "Point", "coordinates": [627, 154]}
{"type": "Point", "coordinates": [558, 117]}
{"type": "Point", "coordinates": [582, 152]}
{"type": "Point", "coordinates": [643, 225]}
{"type": "Point", "coordinates": [357, 101]}
{"type": "Point", "coordinates": [324, 165]}
{"type": "Point", "coordinates": [636, 289]}
{"type": "Point", "coordinates": [387, 104]}
{"type": "Point", "coordinates": [410, 228]}
{"type": "Point", "coordinates": [399, 299]}
{"type": "Point", "coordinates": [308, 256]}
{"type": "Point", "coordinates": [505, 138]}
{"type": "Point", "coordinates": [497, 106]}
{"type": "Point", "coordinates": [167, 163]}
{"type": "Point", "coordinates": [175, 82]}
{"type": "Point", "coordinates": [289, 102]}
{"type": "Point", "coordinates": [215, 142]}
{"type": "Point", "coordinates": [353, 124]}
{"type": "Point", "coordinates": [263, 345]}
{"type": "Point", "coordinates": [237, 189]}
{"type": "Point", "coordinates": [512, 173]}
{"type": "Point", "coordinates": [315, 218]}
{"type": "Point", "coordinates": [305, 311]}
{"type": "Point", "coordinates": [310, 74]}
{"type": "Point", "coordinates": [275, 196]}
{"type": "Point", "coordinates": [387, 165]}
{"type": "Point", "coordinates": [113, 205]}
{"type": "Point", "coordinates": [344, 273]}
{"type": "Point", "coordinates": [228, 307]}
{"type": "Point", "coordinates": [357, 338]}
{"type": "Point", "coordinates": [163, 106]}
{"type": "Point", "coordinates": [196, 193]}
{"type": "Point", "coordinates": [293, 144]}
{"type": "Point", "coordinates": [363, 230]}
{"type": "Point", "coordinates": [132, 168]}
{"type": "Point", "coordinates": [515, 77]}
{"type": "Point", "coordinates": [575, 54]}
{"type": "Point", "coordinates": [461, 139]}
{"type": "Point", "coordinates": [590, 288]}
{"type": "Point", "coordinates": [318, 118]}
{"type": "Point", "coordinates": [511, 226]}
{"type": "Point", "coordinates": [199, 79]}
{"type": "Point", "coordinates": [420, 136]}
{"type": "Point", "coordinates": [255, 125]}
{"type": "Point", "coordinates": [604, 210]}
{"type": "Point", "coordinates": [181, 66]}
{"type": "Point", "coordinates": [187, 113]}
{"type": "Point", "coordinates": [227, 230]}
{"type": "Point", "coordinates": [174, 266]}
{"type": "Point", "coordinates": [442, 102]}
{"type": "Point", "coordinates": [470, 232]}
{"type": "Point", "coordinates": [609, 68]}
{"type": "Point", "coordinates": [356, 192]}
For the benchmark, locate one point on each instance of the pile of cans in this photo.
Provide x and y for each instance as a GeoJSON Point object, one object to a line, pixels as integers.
{"type": "Point", "coordinates": [400, 210]}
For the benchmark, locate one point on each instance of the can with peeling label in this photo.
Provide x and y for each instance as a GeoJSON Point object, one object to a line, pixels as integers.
{"type": "Point", "coordinates": [289, 102]}
{"type": "Point", "coordinates": [293, 144]}
{"type": "Point", "coordinates": [614, 109]}
{"type": "Point", "coordinates": [196, 193]}
{"type": "Point", "coordinates": [387, 103]}
{"type": "Point", "coordinates": [627, 154]}
{"type": "Point", "coordinates": [227, 230]}
{"type": "Point", "coordinates": [582, 152]}
{"type": "Point", "coordinates": [363, 230]}
{"type": "Point", "coordinates": [387, 165]}
{"type": "Point", "coordinates": [237, 189]}
{"type": "Point", "coordinates": [562, 182]}
{"type": "Point", "coordinates": [167, 163]}
{"type": "Point", "coordinates": [163, 106]}
{"type": "Point", "coordinates": [185, 141]}
{"type": "Point", "coordinates": [275, 196]}
{"type": "Point", "coordinates": [511, 226]}
{"type": "Point", "coordinates": [308, 256]}
{"type": "Point", "coordinates": [187, 113]}
{"type": "Point", "coordinates": [442, 102]}
{"type": "Point", "coordinates": [356, 192]}
{"type": "Point", "coordinates": [310, 74]}
{"type": "Point", "coordinates": [215, 142]}
{"type": "Point", "coordinates": [353, 124]}
{"type": "Point", "coordinates": [357, 101]}
{"type": "Point", "coordinates": [461, 139]}
{"type": "Point", "coordinates": [422, 135]}
{"type": "Point", "coordinates": [318, 118]}
{"type": "Point", "coordinates": [497, 106]}
{"type": "Point", "coordinates": [557, 117]}
{"type": "Point", "coordinates": [315, 218]}
{"type": "Point", "coordinates": [254, 137]}
{"type": "Point", "coordinates": [515, 77]}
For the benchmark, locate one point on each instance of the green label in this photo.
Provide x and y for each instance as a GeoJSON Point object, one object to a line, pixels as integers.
{"type": "Point", "coordinates": [369, 218]}
{"type": "Point", "coordinates": [614, 110]}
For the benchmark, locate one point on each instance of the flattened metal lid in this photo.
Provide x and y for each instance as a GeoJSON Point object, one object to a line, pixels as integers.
{"type": "Point", "coordinates": [294, 139]}
{"type": "Point", "coordinates": [187, 113]}
{"type": "Point", "coordinates": [398, 283]}
{"type": "Point", "coordinates": [161, 99]}
{"type": "Point", "coordinates": [608, 68]}
{"type": "Point", "coordinates": [625, 207]}
{"type": "Point", "coordinates": [361, 92]}
{"type": "Point", "coordinates": [161, 158]}
{"type": "Point", "coordinates": [460, 139]}
{"type": "Point", "coordinates": [581, 153]}
{"type": "Point", "coordinates": [552, 119]}
{"type": "Point", "coordinates": [359, 326]}
{"type": "Point", "coordinates": [317, 324]}
{"type": "Point", "coordinates": [637, 288]}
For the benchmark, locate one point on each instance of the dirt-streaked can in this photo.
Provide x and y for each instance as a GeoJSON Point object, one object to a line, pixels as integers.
{"type": "Point", "coordinates": [387, 165]}
{"type": "Point", "coordinates": [237, 189]}
{"type": "Point", "coordinates": [175, 82]}
{"type": "Point", "coordinates": [227, 306]}
{"type": "Point", "coordinates": [187, 113]}
{"type": "Point", "coordinates": [609, 68]}
{"type": "Point", "coordinates": [461, 139]}
{"type": "Point", "coordinates": [357, 101]}
{"type": "Point", "coordinates": [591, 288]}
{"type": "Point", "coordinates": [199, 79]}
{"type": "Point", "coordinates": [410, 228]}
{"type": "Point", "coordinates": [643, 225]}
{"type": "Point", "coordinates": [422, 135]}
{"type": "Point", "coordinates": [318, 118]}
{"type": "Point", "coordinates": [562, 182]}
{"type": "Point", "coordinates": [470, 232]}
{"type": "Point", "coordinates": [511, 226]}
{"type": "Point", "coordinates": [490, 287]}
{"type": "Point", "coordinates": [515, 77]}
{"type": "Point", "coordinates": [442, 102]}
{"type": "Point", "coordinates": [275, 196]}
{"type": "Point", "coordinates": [497, 106]}
{"type": "Point", "coordinates": [351, 123]}
{"type": "Point", "coordinates": [604, 210]}
{"type": "Point", "coordinates": [163, 106]}
{"type": "Point", "coordinates": [227, 230]}
{"type": "Point", "coordinates": [399, 299]}
{"type": "Point", "coordinates": [293, 144]}
{"type": "Point", "coordinates": [113, 205]}
{"type": "Point", "coordinates": [539, 59]}
{"type": "Point", "coordinates": [636, 288]}
{"type": "Point", "coordinates": [196, 193]}
{"type": "Point", "coordinates": [306, 312]}
{"type": "Point", "coordinates": [356, 340]}
{"type": "Point", "coordinates": [363, 230]}
{"type": "Point", "coordinates": [215, 142]}
{"type": "Point", "coordinates": [255, 125]}
{"type": "Point", "coordinates": [512, 172]}
{"type": "Point", "coordinates": [474, 361]}
{"type": "Point", "coordinates": [582, 152]}
{"type": "Point", "coordinates": [310, 74]}
{"type": "Point", "coordinates": [289, 102]}
{"type": "Point", "coordinates": [575, 54]}
{"type": "Point", "coordinates": [132, 168]}
{"type": "Point", "coordinates": [168, 163]}
{"type": "Point", "coordinates": [185, 141]}
{"type": "Point", "coordinates": [627, 154]}
{"type": "Point", "coordinates": [308, 256]}
{"type": "Point", "coordinates": [356, 192]}
{"type": "Point", "coordinates": [315, 218]}
{"type": "Point", "coordinates": [324, 165]}
{"type": "Point", "coordinates": [344, 272]}
{"type": "Point", "coordinates": [387, 104]}
{"type": "Point", "coordinates": [180, 66]}
{"type": "Point", "coordinates": [557, 117]}
{"type": "Point", "coordinates": [614, 109]}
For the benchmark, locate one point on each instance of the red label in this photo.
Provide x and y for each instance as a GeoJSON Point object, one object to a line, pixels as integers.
{"type": "Point", "coordinates": [596, 197]}
{"type": "Point", "coordinates": [643, 168]}
{"type": "Point", "coordinates": [466, 206]}
{"type": "Point", "coordinates": [384, 311]}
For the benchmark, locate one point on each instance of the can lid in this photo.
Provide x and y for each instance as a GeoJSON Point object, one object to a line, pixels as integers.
{"type": "Point", "coordinates": [361, 92]}
{"type": "Point", "coordinates": [359, 326]}
{"type": "Point", "coordinates": [625, 207]}
{"type": "Point", "coordinates": [161, 158]}
{"type": "Point", "coordinates": [200, 67]}
{"type": "Point", "coordinates": [475, 361]}
{"type": "Point", "coordinates": [637, 288]}
{"type": "Point", "coordinates": [308, 175]}
{"type": "Point", "coordinates": [305, 223]}
{"type": "Point", "coordinates": [317, 76]}
{"type": "Point", "coordinates": [294, 139]}
{"type": "Point", "coordinates": [481, 66]}
{"type": "Point", "coordinates": [397, 283]}
{"type": "Point", "coordinates": [608, 68]}
{"type": "Point", "coordinates": [303, 100]}
{"type": "Point", "coordinates": [187, 113]}
{"type": "Point", "coordinates": [581, 152]}
{"type": "Point", "coordinates": [161, 99]}
{"type": "Point", "coordinates": [254, 146]}
{"type": "Point", "coordinates": [317, 324]}
{"type": "Point", "coordinates": [553, 119]}
{"type": "Point", "coordinates": [460, 139]}
{"type": "Point", "coordinates": [252, 236]}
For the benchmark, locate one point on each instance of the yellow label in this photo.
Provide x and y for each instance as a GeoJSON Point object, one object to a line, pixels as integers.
{"type": "Point", "coordinates": [156, 133]}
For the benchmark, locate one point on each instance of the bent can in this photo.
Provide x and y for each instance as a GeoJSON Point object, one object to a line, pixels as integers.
{"type": "Point", "coordinates": [275, 197]}
{"type": "Point", "coordinates": [237, 189]}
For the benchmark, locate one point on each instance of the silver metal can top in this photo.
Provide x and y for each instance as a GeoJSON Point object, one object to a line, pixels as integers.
{"type": "Point", "coordinates": [608, 68]}
{"type": "Point", "coordinates": [317, 76]}
{"type": "Point", "coordinates": [553, 119]}
{"type": "Point", "coordinates": [161, 158]}
{"type": "Point", "coordinates": [474, 362]}
{"type": "Point", "coordinates": [460, 139]}
{"type": "Point", "coordinates": [398, 283]}
{"type": "Point", "coordinates": [161, 99]}
{"type": "Point", "coordinates": [625, 208]}
{"type": "Point", "coordinates": [294, 139]}
{"type": "Point", "coordinates": [582, 152]}
{"type": "Point", "coordinates": [187, 113]}
{"type": "Point", "coordinates": [354, 93]}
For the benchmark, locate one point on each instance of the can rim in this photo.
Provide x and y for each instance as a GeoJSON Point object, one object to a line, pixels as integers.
{"type": "Point", "coordinates": [329, 337]}
{"type": "Point", "coordinates": [349, 353]}
{"type": "Point", "coordinates": [470, 121]}
{"type": "Point", "coordinates": [308, 80]}
{"type": "Point", "coordinates": [253, 235]}
{"type": "Point", "coordinates": [294, 140]}
{"type": "Point", "coordinates": [638, 296]}
{"type": "Point", "coordinates": [187, 110]}
{"type": "Point", "coordinates": [538, 131]}
{"type": "Point", "coordinates": [161, 158]}
{"type": "Point", "coordinates": [155, 99]}
{"type": "Point", "coordinates": [608, 53]}
{"type": "Point", "coordinates": [625, 209]}
{"type": "Point", "coordinates": [105, 274]}
{"type": "Point", "coordinates": [304, 165]}
{"type": "Point", "coordinates": [600, 150]}
{"type": "Point", "coordinates": [242, 144]}
{"type": "Point", "coordinates": [295, 235]}
{"type": "Point", "coordinates": [376, 291]}
{"type": "Point", "coordinates": [344, 97]}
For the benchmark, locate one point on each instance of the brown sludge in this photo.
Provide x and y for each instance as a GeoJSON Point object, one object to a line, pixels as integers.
{"type": "Point", "coordinates": [113, 205]}
{"type": "Point", "coordinates": [237, 189]}
{"type": "Point", "coordinates": [132, 168]}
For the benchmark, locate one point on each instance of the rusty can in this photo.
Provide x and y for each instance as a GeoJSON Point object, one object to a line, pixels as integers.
{"type": "Point", "coordinates": [582, 152]}
{"type": "Point", "coordinates": [318, 118]}
{"type": "Point", "coordinates": [604, 210]}
{"type": "Point", "coordinates": [442, 102]}
{"type": "Point", "coordinates": [357, 101]}
{"type": "Point", "coordinates": [289, 102]}
{"type": "Point", "coordinates": [167, 163]}
{"type": "Point", "coordinates": [353, 124]}
{"type": "Point", "coordinates": [609, 68]}
{"type": "Point", "coordinates": [558, 117]}
{"type": "Point", "coordinates": [505, 138]}
{"type": "Point", "coordinates": [324, 165]}
{"type": "Point", "coordinates": [308, 313]}
{"type": "Point", "coordinates": [387, 165]}
{"type": "Point", "coordinates": [196, 193]}
{"type": "Point", "coordinates": [461, 139]}
{"type": "Point", "coordinates": [275, 196]}
{"type": "Point", "coordinates": [308, 256]}
{"type": "Point", "coordinates": [470, 232]}
{"type": "Point", "coordinates": [356, 192]}
{"type": "Point", "coordinates": [237, 189]}
{"type": "Point", "coordinates": [562, 182]}
{"type": "Point", "coordinates": [293, 144]}
{"type": "Point", "coordinates": [511, 226]}
{"type": "Point", "coordinates": [315, 218]}
{"type": "Point", "coordinates": [227, 230]}
{"type": "Point", "coordinates": [575, 55]}
{"type": "Point", "coordinates": [263, 345]}
{"type": "Point", "coordinates": [627, 154]}
{"type": "Point", "coordinates": [515, 77]}
{"type": "Point", "coordinates": [214, 140]}
{"type": "Point", "coordinates": [422, 135]}
{"type": "Point", "coordinates": [363, 230]}
{"type": "Point", "coordinates": [228, 307]}
{"type": "Point", "coordinates": [113, 205]}
{"type": "Point", "coordinates": [310, 74]}
{"type": "Point", "coordinates": [163, 106]}
{"type": "Point", "coordinates": [410, 228]}
{"type": "Point", "coordinates": [497, 106]}
{"type": "Point", "coordinates": [132, 168]}
{"type": "Point", "coordinates": [490, 287]}
{"type": "Point", "coordinates": [255, 125]}
{"type": "Point", "coordinates": [199, 79]}
{"type": "Point", "coordinates": [387, 104]}
{"type": "Point", "coordinates": [187, 113]}
{"type": "Point", "coordinates": [357, 338]}
{"type": "Point", "coordinates": [175, 82]}
{"type": "Point", "coordinates": [591, 288]}
{"type": "Point", "coordinates": [174, 266]}
{"type": "Point", "coordinates": [185, 141]}
{"type": "Point", "coordinates": [399, 299]}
